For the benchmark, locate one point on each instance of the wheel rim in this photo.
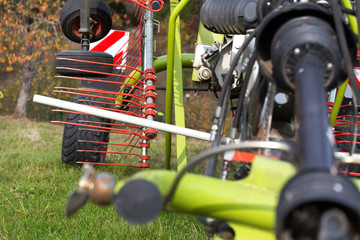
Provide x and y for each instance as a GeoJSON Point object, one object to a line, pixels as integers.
{"type": "Point", "coordinates": [96, 27]}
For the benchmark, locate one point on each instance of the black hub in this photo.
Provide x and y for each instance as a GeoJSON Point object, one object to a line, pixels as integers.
{"type": "Point", "coordinates": [307, 203]}
{"type": "Point", "coordinates": [298, 50]}
{"type": "Point", "coordinates": [287, 34]}
{"type": "Point", "coordinates": [306, 37]}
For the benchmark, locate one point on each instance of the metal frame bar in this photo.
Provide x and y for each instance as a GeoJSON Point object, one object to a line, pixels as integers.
{"type": "Point", "coordinates": [148, 64]}
{"type": "Point", "coordinates": [246, 204]}
{"type": "Point", "coordinates": [170, 75]}
{"type": "Point", "coordinates": [342, 88]}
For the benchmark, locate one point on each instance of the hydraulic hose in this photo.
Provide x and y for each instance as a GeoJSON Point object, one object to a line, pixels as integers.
{"type": "Point", "coordinates": [223, 102]}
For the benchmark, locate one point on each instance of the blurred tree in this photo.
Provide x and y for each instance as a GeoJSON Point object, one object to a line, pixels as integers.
{"type": "Point", "coordinates": [124, 14]}
{"type": "Point", "coordinates": [200, 109]}
{"type": "Point", "coordinates": [29, 35]}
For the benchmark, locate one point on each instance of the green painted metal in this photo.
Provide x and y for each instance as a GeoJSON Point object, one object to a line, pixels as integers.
{"type": "Point", "coordinates": [342, 88]}
{"type": "Point", "coordinates": [352, 19]}
{"type": "Point", "coordinates": [338, 100]}
{"type": "Point", "coordinates": [248, 202]}
{"type": "Point", "coordinates": [181, 153]}
{"type": "Point", "coordinates": [181, 60]}
{"type": "Point", "coordinates": [356, 181]}
{"type": "Point", "coordinates": [170, 73]}
{"type": "Point", "coordinates": [248, 205]}
{"type": "Point", "coordinates": [136, 75]}
{"type": "Point", "coordinates": [160, 63]}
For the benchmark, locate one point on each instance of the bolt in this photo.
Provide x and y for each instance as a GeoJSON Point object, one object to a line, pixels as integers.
{"type": "Point", "coordinates": [289, 196]}
{"type": "Point", "coordinates": [329, 66]}
{"type": "Point", "coordinates": [338, 187]}
{"type": "Point", "coordinates": [214, 127]}
{"type": "Point", "coordinates": [297, 51]}
{"type": "Point", "coordinates": [206, 73]}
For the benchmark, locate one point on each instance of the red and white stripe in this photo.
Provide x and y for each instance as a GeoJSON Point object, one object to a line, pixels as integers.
{"type": "Point", "coordinates": [115, 43]}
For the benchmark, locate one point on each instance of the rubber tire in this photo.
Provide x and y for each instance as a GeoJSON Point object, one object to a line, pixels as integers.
{"type": "Point", "coordinates": [105, 86]}
{"type": "Point", "coordinates": [70, 14]}
{"type": "Point", "coordinates": [346, 147]}
{"type": "Point", "coordinates": [72, 135]}
{"type": "Point", "coordinates": [98, 57]}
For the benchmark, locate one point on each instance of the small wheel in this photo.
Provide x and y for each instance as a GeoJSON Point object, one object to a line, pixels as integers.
{"type": "Point", "coordinates": [100, 20]}
{"type": "Point", "coordinates": [102, 63]}
{"type": "Point", "coordinates": [80, 138]}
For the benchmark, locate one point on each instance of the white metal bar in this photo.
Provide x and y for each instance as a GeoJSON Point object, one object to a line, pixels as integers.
{"type": "Point", "coordinates": [123, 118]}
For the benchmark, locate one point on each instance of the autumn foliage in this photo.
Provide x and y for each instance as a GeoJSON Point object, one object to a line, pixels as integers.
{"type": "Point", "coordinates": [29, 36]}
{"type": "Point", "coordinates": [28, 30]}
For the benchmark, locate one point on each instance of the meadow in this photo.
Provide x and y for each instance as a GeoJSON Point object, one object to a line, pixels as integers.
{"type": "Point", "coordinates": [34, 186]}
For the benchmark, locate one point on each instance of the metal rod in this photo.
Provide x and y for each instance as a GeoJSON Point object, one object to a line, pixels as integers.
{"type": "Point", "coordinates": [147, 64]}
{"type": "Point", "coordinates": [148, 40]}
{"type": "Point", "coordinates": [148, 51]}
{"type": "Point", "coordinates": [124, 118]}
{"type": "Point", "coordinates": [85, 24]}
{"type": "Point", "coordinates": [313, 146]}
{"type": "Point", "coordinates": [170, 76]}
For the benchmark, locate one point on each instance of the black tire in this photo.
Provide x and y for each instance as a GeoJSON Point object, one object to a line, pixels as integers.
{"type": "Point", "coordinates": [70, 20]}
{"type": "Point", "coordinates": [105, 86]}
{"type": "Point", "coordinates": [345, 145]}
{"type": "Point", "coordinates": [73, 135]}
{"type": "Point", "coordinates": [101, 58]}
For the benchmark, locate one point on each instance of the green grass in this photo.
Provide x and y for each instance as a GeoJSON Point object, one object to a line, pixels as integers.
{"type": "Point", "coordinates": [34, 187]}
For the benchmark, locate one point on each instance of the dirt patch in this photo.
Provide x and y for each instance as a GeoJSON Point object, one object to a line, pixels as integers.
{"type": "Point", "coordinates": [31, 133]}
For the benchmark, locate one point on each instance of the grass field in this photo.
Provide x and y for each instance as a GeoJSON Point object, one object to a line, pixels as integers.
{"type": "Point", "coordinates": [34, 187]}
